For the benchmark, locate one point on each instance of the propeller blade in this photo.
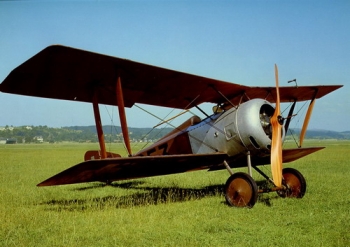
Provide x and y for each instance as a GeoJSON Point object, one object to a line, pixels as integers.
{"type": "Point", "coordinates": [276, 142]}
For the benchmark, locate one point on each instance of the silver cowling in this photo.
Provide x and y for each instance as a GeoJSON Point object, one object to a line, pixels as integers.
{"type": "Point", "coordinates": [254, 127]}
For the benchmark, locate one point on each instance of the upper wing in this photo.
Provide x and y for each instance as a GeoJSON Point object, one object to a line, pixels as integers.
{"type": "Point", "coordinates": [134, 167]}
{"type": "Point", "coordinates": [66, 73]}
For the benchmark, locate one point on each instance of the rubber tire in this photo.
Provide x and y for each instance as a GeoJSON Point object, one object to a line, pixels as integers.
{"type": "Point", "coordinates": [295, 183]}
{"type": "Point", "coordinates": [241, 190]}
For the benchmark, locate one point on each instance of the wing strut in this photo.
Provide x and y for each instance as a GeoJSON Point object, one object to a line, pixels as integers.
{"type": "Point", "coordinates": [307, 119]}
{"type": "Point", "coordinates": [122, 116]}
{"type": "Point", "coordinates": [289, 117]}
{"type": "Point", "coordinates": [98, 123]}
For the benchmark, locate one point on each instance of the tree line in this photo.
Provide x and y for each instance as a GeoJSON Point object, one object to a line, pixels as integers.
{"type": "Point", "coordinates": [33, 134]}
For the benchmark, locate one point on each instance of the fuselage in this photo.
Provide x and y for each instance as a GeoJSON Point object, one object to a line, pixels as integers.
{"type": "Point", "coordinates": [236, 130]}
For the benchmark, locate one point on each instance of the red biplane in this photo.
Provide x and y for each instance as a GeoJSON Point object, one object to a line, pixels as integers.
{"type": "Point", "coordinates": [245, 129]}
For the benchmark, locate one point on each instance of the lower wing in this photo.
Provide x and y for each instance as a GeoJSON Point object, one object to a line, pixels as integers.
{"type": "Point", "coordinates": [113, 169]}
{"type": "Point", "coordinates": [288, 155]}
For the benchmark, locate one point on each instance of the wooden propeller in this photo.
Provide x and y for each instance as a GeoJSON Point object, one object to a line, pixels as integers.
{"type": "Point", "coordinates": [276, 144]}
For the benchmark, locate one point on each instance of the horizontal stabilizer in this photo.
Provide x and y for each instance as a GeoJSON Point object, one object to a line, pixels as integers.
{"type": "Point", "coordinates": [108, 170]}
{"type": "Point", "coordinates": [96, 155]}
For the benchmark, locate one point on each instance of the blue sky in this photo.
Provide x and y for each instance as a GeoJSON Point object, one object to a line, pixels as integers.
{"type": "Point", "coordinates": [235, 41]}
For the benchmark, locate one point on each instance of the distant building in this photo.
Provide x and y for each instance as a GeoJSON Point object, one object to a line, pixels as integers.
{"type": "Point", "coordinates": [39, 139]}
{"type": "Point", "coordinates": [11, 141]}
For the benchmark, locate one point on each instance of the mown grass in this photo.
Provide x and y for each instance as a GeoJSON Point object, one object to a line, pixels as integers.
{"type": "Point", "coordinates": [177, 210]}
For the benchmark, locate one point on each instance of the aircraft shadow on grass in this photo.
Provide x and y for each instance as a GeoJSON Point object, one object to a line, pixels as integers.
{"type": "Point", "coordinates": [144, 196]}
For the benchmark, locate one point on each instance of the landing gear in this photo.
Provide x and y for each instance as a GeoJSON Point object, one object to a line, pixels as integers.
{"type": "Point", "coordinates": [241, 190]}
{"type": "Point", "coordinates": [294, 183]}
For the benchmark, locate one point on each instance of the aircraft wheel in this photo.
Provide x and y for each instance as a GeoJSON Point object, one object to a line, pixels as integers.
{"type": "Point", "coordinates": [295, 184]}
{"type": "Point", "coordinates": [241, 190]}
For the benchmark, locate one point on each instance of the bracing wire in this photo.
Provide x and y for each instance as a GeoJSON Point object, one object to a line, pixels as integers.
{"type": "Point", "coordinates": [162, 120]}
{"type": "Point", "coordinates": [292, 134]}
{"type": "Point", "coordinates": [169, 123]}
{"type": "Point", "coordinates": [115, 128]}
{"type": "Point", "coordinates": [152, 129]}
{"type": "Point", "coordinates": [111, 131]}
{"type": "Point", "coordinates": [297, 122]}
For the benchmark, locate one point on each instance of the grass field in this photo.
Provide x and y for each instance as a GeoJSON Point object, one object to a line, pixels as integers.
{"type": "Point", "coordinates": [178, 210]}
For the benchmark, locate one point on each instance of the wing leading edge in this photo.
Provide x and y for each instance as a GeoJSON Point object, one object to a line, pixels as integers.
{"type": "Point", "coordinates": [65, 73]}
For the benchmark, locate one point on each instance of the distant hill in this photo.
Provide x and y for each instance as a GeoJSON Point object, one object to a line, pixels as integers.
{"type": "Point", "coordinates": [30, 134]}
{"type": "Point", "coordinates": [140, 133]}
{"type": "Point", "coordinates": [323, 134]}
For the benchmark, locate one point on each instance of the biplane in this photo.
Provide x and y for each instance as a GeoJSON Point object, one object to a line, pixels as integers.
{"type": "Point", "coordinates": [245, 129]}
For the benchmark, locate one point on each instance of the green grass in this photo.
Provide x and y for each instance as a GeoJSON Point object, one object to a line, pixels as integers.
{"type": "Point", "coordinates": [177, 210]}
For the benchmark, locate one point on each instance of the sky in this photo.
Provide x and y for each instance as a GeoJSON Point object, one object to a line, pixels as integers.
{"type": "Point", "coordinates": [233, 41]}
